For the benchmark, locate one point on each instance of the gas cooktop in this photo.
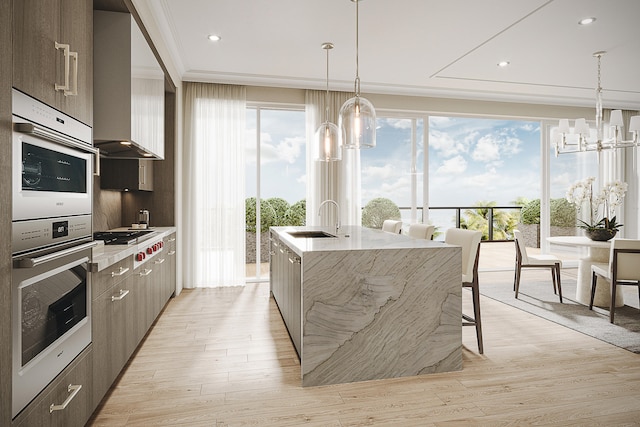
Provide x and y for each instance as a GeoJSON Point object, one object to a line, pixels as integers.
{"type": "Point", "coordinates": [129, 237]}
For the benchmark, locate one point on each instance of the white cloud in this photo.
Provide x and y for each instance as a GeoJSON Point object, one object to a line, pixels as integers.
{"type": "Point", "coordinates": [378, 172]}
{"type": "Point", "coordinates": [445, 144]}
{"type": "Point", "coordinates": [399, 123]}
{"type": "Point", "coordinates": [487, 150]}
{"type": "Point", "coordinates": [453, 166]}
{"type": "Point", "coordinates": [287, 150]}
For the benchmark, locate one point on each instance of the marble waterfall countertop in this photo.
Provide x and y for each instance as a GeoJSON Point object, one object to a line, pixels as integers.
{"type": "Point", "coordinates": [349, 238]}
{"type": "Point", "coordinates": [376, 305]}
{"type": "Point", "coordinates": [106, 255]}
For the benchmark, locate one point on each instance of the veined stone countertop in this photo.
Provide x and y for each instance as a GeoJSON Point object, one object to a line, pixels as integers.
{"type": "Point", "coordinates": [350, 238]}
{"type": "Point", "coordinates": [106, 255]}
{"type": "Point", "coordinates": [374, 305]}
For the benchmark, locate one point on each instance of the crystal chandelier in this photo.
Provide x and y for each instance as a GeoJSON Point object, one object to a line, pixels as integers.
{"type": "Point", "coordinates": [357, 115]}
{"type": "Point", "coordinates": [578, 140]}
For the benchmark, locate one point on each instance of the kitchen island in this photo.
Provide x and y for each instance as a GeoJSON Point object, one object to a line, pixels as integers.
{"type": "Point", "coordinates": [362, 304]}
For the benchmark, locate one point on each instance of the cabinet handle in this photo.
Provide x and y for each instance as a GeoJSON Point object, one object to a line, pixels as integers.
{"type": "Point", "coordinates": [74, 91]}
{"type": "Point", "coordinates": [171, 253]}
{"type": "Point", "coordinates": [65, 48]}
{"type": "Point", "coordinates": [159, 261]}
{"type": "Point", "coordinates": [141, 174]}
{"type": "Point", "coordinates": [173, 239]}
{"type": "Point", "coordinates": [146, 272]}
{"type": "Point", "coordinates": [73, 389]}
{"type": "Point", "coordinates": [119, 272]}
{"type": "Point", "coordinates": [294, 260]}
{"type": "Point", "coordinates": [120, 296]}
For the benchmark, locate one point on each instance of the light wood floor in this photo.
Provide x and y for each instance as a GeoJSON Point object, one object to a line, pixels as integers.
{"type": "Point", "coordinates": [222, 357]}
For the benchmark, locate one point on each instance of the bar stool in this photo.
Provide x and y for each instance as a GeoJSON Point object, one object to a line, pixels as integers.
{"type": "Point", "coordinates": [469, 241]}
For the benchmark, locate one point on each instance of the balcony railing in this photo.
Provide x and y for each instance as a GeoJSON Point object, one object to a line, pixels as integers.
{"type": "Point", "coordinates": [486, 217]}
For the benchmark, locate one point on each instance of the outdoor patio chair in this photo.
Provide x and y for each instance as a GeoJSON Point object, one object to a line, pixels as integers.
{"type": "Point", "coordinates": [623, 269]}
{"type": "Point", "coordinates": [523, 260]}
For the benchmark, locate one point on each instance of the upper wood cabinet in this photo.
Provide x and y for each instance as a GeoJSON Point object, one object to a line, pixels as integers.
{"type": "Point", "coordinates": [129, 89]}
{"type": "Point", "coordinates": [42, 30]}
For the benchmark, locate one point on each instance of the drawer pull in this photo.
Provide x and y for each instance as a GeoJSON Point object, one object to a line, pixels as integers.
{"type": "Point", "coordinates": [120, 296]}
{"type": "Point", "coordinates": [159, 261]}
{"type": "Point", "coordinates": [173, 239]}
{"type": "Point", "coordinates": [73, 389]}
{"type": "Point", "coordinates": [171, 253]}
{"type": "Point", "coordinates": [119, 272]}
{"type": "Point", "coordinates": [146, 272]}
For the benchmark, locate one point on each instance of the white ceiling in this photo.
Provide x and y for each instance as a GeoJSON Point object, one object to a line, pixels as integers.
{"type": "Point", "coordinates": [424, 47]}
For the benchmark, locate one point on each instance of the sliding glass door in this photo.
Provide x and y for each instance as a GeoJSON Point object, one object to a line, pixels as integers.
{"type": "Point", "coordinates": [275, 180]}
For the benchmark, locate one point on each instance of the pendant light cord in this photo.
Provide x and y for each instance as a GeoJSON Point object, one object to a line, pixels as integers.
{"type": "Point", "coordinates": [327, 46]}
{"type": "Point", "coordinates": [357, 82]}
{"type": "Point", "coordinates": [326, 96]}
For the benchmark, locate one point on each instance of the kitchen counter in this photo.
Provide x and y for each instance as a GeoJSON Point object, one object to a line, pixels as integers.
{"type": "Point", "coordinates": [349, 238]}
{"type": "Point", "coordinates": [106, 255]}
{"type": "Point", "coordinates": [371, 304]}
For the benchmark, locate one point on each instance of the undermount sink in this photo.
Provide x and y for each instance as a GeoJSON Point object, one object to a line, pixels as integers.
{"type": "Point", "coordinates": [311, 234]}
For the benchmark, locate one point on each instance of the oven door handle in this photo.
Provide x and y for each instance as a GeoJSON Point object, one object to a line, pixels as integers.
{"type": "Point", "coordinates": [37, 261]}
{"type": "Point", "coordinates": [39, 131]}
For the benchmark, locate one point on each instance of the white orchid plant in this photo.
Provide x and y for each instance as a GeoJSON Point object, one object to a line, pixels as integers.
{"type": "Point", "coordinates": [601, 205]}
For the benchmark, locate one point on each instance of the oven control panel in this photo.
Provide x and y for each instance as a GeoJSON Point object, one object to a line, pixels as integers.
{"type": "Point", "coordinates": [42, 233]}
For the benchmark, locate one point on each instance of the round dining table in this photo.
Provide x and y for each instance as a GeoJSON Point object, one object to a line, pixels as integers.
{"type": "Point", "coordinates": [598, 253]}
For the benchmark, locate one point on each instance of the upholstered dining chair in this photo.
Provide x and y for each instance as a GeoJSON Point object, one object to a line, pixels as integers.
{"type": "Point", "coordinates": [421, 231]}
{"type": "Point", "coordinates": [623, 269]}
{"type": "Point", "coordinates": [469, 241]}
{"type": "Point", "coordinates": [392, 226]}
{"type": "Point", "coordinates": [524, 260]}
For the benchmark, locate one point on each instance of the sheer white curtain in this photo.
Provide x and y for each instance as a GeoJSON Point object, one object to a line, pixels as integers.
{"type": "Point", "coordinates": [338, 181]}
{"type": "Point", "coordinates": [214, 185]}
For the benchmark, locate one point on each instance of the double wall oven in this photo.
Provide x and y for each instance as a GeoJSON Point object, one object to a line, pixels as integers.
{"type": "Point", "coordinates": [52, 178]}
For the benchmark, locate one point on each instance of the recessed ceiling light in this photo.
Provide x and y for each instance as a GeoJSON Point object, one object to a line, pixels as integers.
{"type": "Point", "coordinates": [214, 37]}
{"type": "Point", "coordinates": [586, 21]}
{"type": "Point", "coordinates": [503, 64]}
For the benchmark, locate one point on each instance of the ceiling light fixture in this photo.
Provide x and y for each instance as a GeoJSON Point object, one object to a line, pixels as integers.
{"type": "Point", "coordinates": [587, 21]}
{"type": "Point", "coordinates": [327, 138]}
{"type": "Point", "coordinates": [214, 38]}
{"type": "Point", "coordinates": [503, 64]}
{"type": "Point", "coordinates": [357, 115]}
{"type": "Point", "coordinates": [581, 128]}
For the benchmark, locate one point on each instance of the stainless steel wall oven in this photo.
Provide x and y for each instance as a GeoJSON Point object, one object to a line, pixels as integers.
{"type": "Point", "coordinates": [52, 178]}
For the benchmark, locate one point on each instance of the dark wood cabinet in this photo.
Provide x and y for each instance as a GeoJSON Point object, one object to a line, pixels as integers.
{"type": "Point", "coordinates": [38, 66]}
{"type": "Point", "coordinates": [126, 302]}
{"type": "Point", "coordinates": [126, 175]}
{"type": "Point", "coordinates": [67, 401]}
{"type": "Point", "coordinates": [285, 268]}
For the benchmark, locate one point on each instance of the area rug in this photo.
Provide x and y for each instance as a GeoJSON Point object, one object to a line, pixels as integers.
{"type": "Point", "coordinates": [538, 298]}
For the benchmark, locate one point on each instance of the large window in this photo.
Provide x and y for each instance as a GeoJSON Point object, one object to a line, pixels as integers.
{"type": "Point", "coordinates": [275, 177]}
{"type": "Point", "coordinates": [394, 169]}
{"type": "Point", "coordinates": [471, 162]}
{"type": "Point", "coordinates": [482, 162]}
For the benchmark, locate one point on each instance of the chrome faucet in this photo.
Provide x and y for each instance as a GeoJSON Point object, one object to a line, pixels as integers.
{"type": "Point", "coordinates": [337, 212]}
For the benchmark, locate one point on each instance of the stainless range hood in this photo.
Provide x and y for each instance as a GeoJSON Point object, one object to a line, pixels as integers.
{"type": "Point", "coordinates": [128, 98]}
{"type": "Point", "coordinates": [124, 150]}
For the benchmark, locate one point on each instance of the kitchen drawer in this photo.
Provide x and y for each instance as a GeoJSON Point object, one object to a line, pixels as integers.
{"type": "Point", "coordinates": [71, 389]}
{"type": "Point", "coordinates": [110, 276]}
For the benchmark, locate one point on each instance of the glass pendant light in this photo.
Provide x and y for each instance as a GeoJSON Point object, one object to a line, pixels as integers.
{"type": "Point", "coordinates": [357, 115]}
{"type": "Point", "coordinates": [327, 137]}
